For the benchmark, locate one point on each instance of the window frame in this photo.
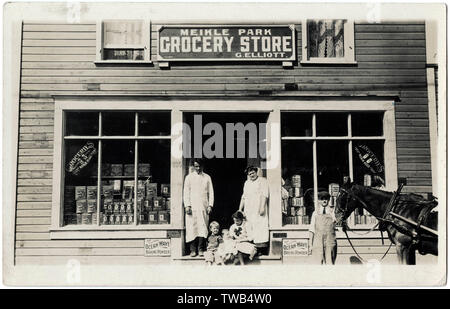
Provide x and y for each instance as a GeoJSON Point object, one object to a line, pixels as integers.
{"type": "Point", "coordinates": [100, 43]}
{"type": "Point", "coordinates": [390, 157]}
{"type": "Point", "coordinates": [177, 107]}
{"type": "Point", "coordinates": [57, 219]}
{"type": "Point", "coordinates": [349, 46]}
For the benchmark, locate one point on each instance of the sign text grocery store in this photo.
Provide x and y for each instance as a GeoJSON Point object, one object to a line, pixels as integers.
{"type": "Point", "coordinates": [203, 43]}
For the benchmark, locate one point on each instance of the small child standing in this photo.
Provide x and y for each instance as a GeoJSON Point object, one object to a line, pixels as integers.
{"type": "Point", "coordinates": [323, 231]}
{"type": "Point", "coordinates": [214, 240]}
{"type": "Point", "coordinates": [239, 232]}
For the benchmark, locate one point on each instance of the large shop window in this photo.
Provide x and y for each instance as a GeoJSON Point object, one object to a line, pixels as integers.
{"type": "Point", "coordinates": [328, 41]}
{"type": "Point", "coordinates": [322, 150]}
{"type": "Point", "coordinates": [116, 168]}
{"type": "Point", "coordinates": [123, 41]}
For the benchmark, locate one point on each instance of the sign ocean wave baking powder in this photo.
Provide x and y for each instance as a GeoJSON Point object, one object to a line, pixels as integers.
{"type": "Point", "coordinates": [226, 43]}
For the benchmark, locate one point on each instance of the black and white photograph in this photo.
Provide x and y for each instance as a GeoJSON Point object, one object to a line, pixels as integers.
{"type": "Point", "coordinates": [224, 144]}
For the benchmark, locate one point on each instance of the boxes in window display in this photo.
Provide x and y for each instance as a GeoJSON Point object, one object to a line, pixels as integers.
{"type": "Point", "coordinates": [367, 180]}
{"type": "Point", "coordinates": [91, 206]}
{"type": "Point", "coordinates": [81, 206]}
{"type": "Point", "coordinates": [91, 192]}
{"type": "Point", "coordinates": [297, 201]}
{"type": "Point", "coordinates": [80, 193]}
{"type": "Point", "coordinates": [86, 218]}
{"type": "Point", "coordinates": [108, 191]}
{"type": "Point", "coordinates": [144, 169]}
{"type": "Point", "coordinates": [116, 169]}
{"type": "Point", "coordinates": [128, 170]}
{"type": "Point", "coordinates": [152, 189]}
{"type": "Point", "coordinates": [296, 181]}
{"type": "Point", "coordinates": [106, 169]}
{"type": "Point", "coordinates": [128, 190]}
{"type": "Point", "coordinates": [333, 189]}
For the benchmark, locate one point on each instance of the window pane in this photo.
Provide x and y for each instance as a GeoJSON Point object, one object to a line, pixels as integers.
{"type": "Point", "coordinates": [296, 124]}
{"type": "Point", "coordinates": [367, 124]}
{"type": "Point", "coordinates": [298, 188]}
{"type": "Point", "coordinates": [80, 182]}
{"type": "Point", "coordinates": [123, 54]}
{"type": "Point", "coordinates": [154, 182]}
{"type": "Point", "coordinates": [325, 38]}
{"type": "Point", "coordinates": [118, 123]}
{"type": "Point", "coordinates": [154, 123]}
{"type": "Point", "coordinates": [331, 124]}
{"type": "Point", "coordinates": [123, 33]}
{"type": "Point", "coordinates": [332, 163]}
{"type": "Point", "coordinates": [117, 187]}
{"type": "Point", "coordinates": [368, 170]}
{"type": "Point", "coordinates": [81, 123]}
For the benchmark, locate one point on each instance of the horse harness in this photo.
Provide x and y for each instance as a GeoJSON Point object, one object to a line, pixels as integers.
{"type": "Point", "coordinates": [385, 220]}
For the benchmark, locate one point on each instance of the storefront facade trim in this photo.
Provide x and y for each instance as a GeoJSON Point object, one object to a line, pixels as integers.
{"type": "Point", "coordinates": [177, 107]}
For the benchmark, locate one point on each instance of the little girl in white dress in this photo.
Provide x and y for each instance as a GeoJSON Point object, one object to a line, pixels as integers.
{"type": "Point", "coordinates": [239, 232]}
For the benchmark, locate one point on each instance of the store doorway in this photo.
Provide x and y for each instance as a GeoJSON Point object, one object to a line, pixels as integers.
{"type": "Point", "coordinates": [226, 170]}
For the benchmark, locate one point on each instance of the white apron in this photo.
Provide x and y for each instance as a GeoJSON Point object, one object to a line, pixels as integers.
{"type": "Point", "coordinates": [254, 191]}
{"type": "Point", "coordinates": [199, 194]}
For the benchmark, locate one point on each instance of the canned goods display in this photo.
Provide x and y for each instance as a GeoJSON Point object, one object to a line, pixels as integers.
{"type": "Point", "coordinates": [297, 201]}
{"type": "Point", "coordinates": [298, 192]}
{"type": "Point", "coordinates": [111, 219]}
{"type": "Point", "coordinates": [367, 180]}
{"type": "Point", "coordinates": [123, 207]}
{"type": "Point", "coordinates": [117, 219]}
{"type": "Point", "coordinates": [104, 219]}
{"type": "Point", "coordinates": [333, 189]}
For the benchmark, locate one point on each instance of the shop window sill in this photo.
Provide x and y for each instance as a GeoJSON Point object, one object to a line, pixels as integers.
{"type": "Point", "coordinates": [102, 62]}
{"type": "Point", "coordinates": [329, 62]}
{"type": "Point", "coordinates": [107, 232]}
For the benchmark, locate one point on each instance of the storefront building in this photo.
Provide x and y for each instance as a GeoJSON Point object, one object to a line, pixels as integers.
{"type": "Point", "coordinates": [100, 172]}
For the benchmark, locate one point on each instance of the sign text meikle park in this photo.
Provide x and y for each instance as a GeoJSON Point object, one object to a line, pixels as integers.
{"type": "Point", "coordinates": [226, 43]}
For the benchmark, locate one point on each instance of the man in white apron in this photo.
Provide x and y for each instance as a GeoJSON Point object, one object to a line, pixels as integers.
{"type": "Point", "coordinates": [198, 203]}
{"type": "Point", "coordinates": [254, 204]}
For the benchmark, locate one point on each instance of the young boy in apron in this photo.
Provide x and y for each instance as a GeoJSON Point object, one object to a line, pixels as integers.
{"type": "Point", "coordinates": [322, 230]}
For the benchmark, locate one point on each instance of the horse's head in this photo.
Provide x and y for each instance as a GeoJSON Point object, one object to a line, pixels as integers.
{"type": "Point", "coordinates": [345, 203]}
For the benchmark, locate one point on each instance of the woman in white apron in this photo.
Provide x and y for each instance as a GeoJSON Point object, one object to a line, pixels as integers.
{"type": "Point", "coordinates": [198, 203]}
{"type": "Point", "coordinates": [254, 204]}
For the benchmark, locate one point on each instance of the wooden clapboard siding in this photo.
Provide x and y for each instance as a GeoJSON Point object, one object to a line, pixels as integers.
{"type": "Point", "coordinates": [59, 59]}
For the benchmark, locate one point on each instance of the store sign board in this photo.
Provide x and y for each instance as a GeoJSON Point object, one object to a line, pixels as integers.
{"type": "Point", "coordinates": [295, 247]}
{"type": "Point", "coordinates": [157, 247]}
{"type": "Point", "coordinates": [226, 43]}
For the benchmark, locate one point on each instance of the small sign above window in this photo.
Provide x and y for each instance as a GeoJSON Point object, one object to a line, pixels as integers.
{"type": "Point", "coordinates": [226, 43]}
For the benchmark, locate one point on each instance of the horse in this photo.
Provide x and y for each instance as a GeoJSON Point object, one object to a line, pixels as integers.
{"type": "Point", "coordinates": [406, 238]}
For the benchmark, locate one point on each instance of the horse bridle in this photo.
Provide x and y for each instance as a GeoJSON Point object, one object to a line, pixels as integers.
{"type": "Point", "coordinates": [350, 196]}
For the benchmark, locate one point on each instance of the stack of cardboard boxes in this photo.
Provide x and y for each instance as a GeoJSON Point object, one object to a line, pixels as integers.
{"type": "Point", "coordinates": [117, 198]}
{"type": "Point", "coordinates": [296, 210]}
